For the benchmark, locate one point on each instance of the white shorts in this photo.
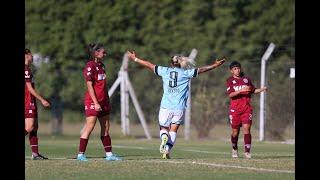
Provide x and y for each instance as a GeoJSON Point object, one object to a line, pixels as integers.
{"type": "Point", "coordinates": [167, 116]}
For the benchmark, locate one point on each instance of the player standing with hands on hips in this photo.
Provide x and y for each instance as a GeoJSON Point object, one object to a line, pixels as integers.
{"type": "Point", "coordinates": [240, 89]}
{"type": "Point", "coordinates": [96, 102]}
{"type": "Point", "coordinates": [175, 94]}
{"type": "Point", "coordinates": [30, 107]}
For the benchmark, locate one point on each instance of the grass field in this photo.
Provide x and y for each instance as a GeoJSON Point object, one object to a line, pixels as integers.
{"type": "Point", "coordinates": [194, 159]}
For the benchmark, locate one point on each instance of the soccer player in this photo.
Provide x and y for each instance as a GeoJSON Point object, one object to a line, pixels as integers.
{"type": "Point", "coordinates": [96, 102]}
{"type": "Point", "coordinates": [240, 89]}
{"type": "Point", "coordinates": [30, 107]}
{"type": "Point", "coordinates": [175, 94]}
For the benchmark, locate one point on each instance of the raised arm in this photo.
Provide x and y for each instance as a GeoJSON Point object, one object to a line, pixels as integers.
{"type": "Point", "coordinates": [132, 56]}
{"type": "Point", "coordinates": [217, 63]}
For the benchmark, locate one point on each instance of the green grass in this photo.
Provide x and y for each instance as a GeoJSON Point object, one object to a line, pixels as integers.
{"type": "Point", "coordinates": [194, 159]}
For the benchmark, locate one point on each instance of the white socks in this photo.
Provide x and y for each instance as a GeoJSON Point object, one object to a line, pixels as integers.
{"type": "Point", "coordinates": [108, 154]}
{"type": "Point", "coordinates": [172, 137]}
{"type": "Point", "coordinates": [163, 131]}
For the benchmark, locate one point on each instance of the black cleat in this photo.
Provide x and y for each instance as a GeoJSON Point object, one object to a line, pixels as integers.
{"type": "Point", "coordinates": [38, 157]}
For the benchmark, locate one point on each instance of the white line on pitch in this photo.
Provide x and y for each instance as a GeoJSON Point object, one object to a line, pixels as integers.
{"type": "Point", "coordinates": [221, 165]}
{"type": "Point", "coordinates": [187, 150]}
{"type": "Point", "coordinates": [61, 158]}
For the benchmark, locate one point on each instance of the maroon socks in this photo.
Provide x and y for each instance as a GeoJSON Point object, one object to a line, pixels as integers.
{"type": "Point", "coordinates": [33, 139]}
{"type": "Point", "coordinates": [83, 145]}
{"type": "Point", "coordinates": [106, 141]}
{"type": "Point", "coordinates": [234, 142]}
{"type": "Point", "coordinates": [247, 142]}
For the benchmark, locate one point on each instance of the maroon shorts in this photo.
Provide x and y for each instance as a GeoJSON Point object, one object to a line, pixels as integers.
{"type": "Point", "coordinates": [30, 113]}
{"type": "Point", "coordinates": [90, 111]}
{"type": "Point", "coordinates": [237, 118]}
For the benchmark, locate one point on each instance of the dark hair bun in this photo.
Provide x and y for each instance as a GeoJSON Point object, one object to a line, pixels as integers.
{"type": "Point", "coordinates": [27, 51]}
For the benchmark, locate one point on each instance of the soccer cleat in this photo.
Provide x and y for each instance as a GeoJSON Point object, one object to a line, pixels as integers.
{"type": "Point", "coordinates": [247, 155]}
{"type": "Point", "coordinates": [165, 156]}
{"type": "Point", "coordinates": [82, 157]}
{"type": "Point", "coordinates": [113, 158]}
{"type": "Point", "coordinates": [164, 140]}
{"type": "Point", "coordinates": [38, 157]}
{"type": "Point", "coordinates": [234, 153]}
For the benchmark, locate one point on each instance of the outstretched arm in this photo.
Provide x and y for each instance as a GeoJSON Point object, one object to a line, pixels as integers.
{"type": "Point", "coordinates": [217, 63]}
{"type": "Point", "coordinates": [260, 90]}
{"type": "Point", "coordinates": [132, 56]}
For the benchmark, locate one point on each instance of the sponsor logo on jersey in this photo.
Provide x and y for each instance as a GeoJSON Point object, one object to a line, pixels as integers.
{"type": "Point", "coordinates": [89, 68]}
{"type": "Point", "coordinates": [237, 88]}
{"type": "Point", "coordinates": [245, 80]}
{"type": "Point", "coordinates": [30, 111]}
{"type": "Point", "coordinates": [234, 82]}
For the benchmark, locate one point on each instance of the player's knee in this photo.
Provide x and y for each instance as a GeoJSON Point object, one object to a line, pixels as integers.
{"type": "Point", "coordinates": [235, 133]}
{"type": "Point", "coordinates": [31, 128]}
{"type": "Point", "coordinates": [89, 126]}
{"type": "Point", "coordinates": [105, 133]}
{"type": "Point", "coordinates": [246, 130]}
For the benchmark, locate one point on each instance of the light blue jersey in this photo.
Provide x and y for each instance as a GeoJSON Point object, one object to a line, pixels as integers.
{"type": "Point", "coordinates": [175, 86]}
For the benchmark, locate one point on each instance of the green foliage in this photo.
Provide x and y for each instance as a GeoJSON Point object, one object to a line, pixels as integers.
{"type": "Point", "coordinates": [239, 29]}
{"type": "Point", "coordinates": [206, 110]}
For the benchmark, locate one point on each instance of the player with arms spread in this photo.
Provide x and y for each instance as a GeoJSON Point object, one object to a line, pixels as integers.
{"type": "Point", "coordinates": [96, 102]}
{"type": "Point", "coordinates": [240, 89]}
{"type": "Point", "coordinates": [175, 94]}
{"type": "Point", "coordinates": [30, 107]}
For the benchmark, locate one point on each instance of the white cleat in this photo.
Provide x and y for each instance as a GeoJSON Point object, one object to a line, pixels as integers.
{"type": "Point", "coordinates": [164, 140]}
{"type": "Point", "coordinates": [235, 153]}
{"type": "Point", "coordinates": [247, 155]}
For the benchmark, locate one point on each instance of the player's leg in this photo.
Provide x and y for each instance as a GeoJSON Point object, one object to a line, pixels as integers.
{"type": "Point", "coordinates": [177, 120]}
{"type": "Point", "coordinates": [234, 141]}
{"type": "Point", "coordinates": [247, 140]}
{"type": "Point", "coordinates": [26, 124]}
{"type": "Point", "coordinates": [247, 121]}
{"type": "Point", "coordinates": [85, 134]}
{"type": "Point", "coordinates": [172, 139]}
{"type": "Point", "coordinates": [164, 123]}
{"type": "Point", "coordinates": [31, 127]}
{"type": "Point", "coordinates": [235, 129]}
{"type": "Point", "coordinates": [106, 139]}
